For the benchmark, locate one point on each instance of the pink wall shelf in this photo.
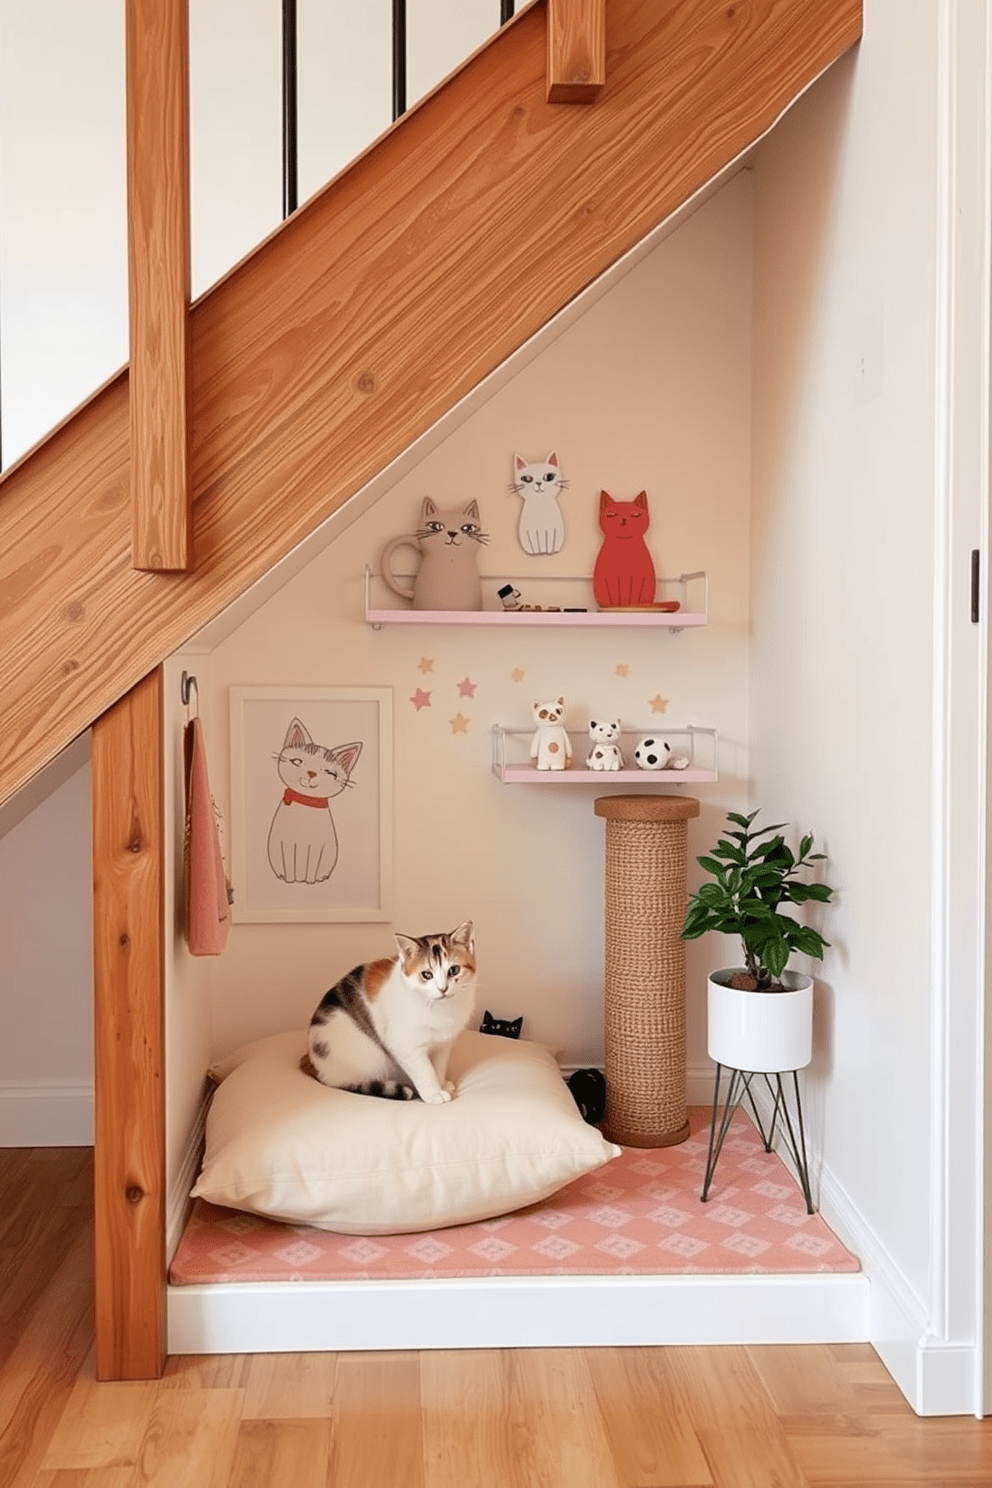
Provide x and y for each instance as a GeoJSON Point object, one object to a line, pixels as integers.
{"type": "Point", "coordinates": [691, 591]}
{"type": "Point", "coordinates": [511, 763]}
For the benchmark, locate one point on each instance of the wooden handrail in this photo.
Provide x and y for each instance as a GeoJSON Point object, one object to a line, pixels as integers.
{"type": "Point", "coordinates": [159, 280]}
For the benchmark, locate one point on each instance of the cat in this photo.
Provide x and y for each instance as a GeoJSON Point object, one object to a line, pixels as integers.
{"type": "Point", "coordinates": [303, 844]}
{"type": "Point", "coordinates": [503, 1027]}
{"type": "Point", "coordinates": [605, 752]}
{"type": "Point", "coordinates": [624, 573]}
{"type": "Point", "coordinates": [447, 576]}
{"type": "Point", "coordinates": [387, 1027]}
{"type": "Point", "coordinates": [550, 747]}
{"type": "Point", "coordinates": [541, 528]}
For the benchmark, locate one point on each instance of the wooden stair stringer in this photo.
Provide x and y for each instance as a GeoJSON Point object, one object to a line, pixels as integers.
{"type": "Point", "coordinates": [365, 317]}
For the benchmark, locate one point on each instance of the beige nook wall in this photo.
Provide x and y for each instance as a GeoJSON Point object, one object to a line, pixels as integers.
{"type": "Point", "coordinates": [648, 389]}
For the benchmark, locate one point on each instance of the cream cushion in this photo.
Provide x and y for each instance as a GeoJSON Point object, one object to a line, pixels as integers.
{"type": "Point", "coordinates": [281, 1144]}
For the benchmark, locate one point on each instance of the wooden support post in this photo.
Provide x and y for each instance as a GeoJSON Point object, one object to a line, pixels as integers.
{"type": "Point", "coordinates": [159, 280]}
{"type": "Point", "coordinates": [129, 1053]}
{"type": "Point", "coordinates": [576, 50]}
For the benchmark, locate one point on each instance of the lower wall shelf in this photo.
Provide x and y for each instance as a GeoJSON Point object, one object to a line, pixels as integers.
{"type": "Point", "coordinates": [698, 746]}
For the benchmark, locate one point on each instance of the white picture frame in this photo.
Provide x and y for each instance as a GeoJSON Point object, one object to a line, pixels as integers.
{"type": "Point", "coordinates": [275, 823]}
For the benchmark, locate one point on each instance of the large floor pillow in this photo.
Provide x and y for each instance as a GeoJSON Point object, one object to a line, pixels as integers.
{"type": "Point", "coordinates": [283, 1145]}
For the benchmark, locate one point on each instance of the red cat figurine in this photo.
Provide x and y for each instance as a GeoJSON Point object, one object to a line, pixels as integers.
{"type": "Point", "coordinates": [624, 573]}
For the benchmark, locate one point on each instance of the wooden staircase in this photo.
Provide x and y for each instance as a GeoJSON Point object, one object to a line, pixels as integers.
{"type": "Point", "coordinates": [365, 317]}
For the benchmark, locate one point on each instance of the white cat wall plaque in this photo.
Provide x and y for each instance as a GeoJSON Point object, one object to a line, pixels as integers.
{"type": "Point", "coordinates": [310, 803]}
{"type": "Point", "coordinates": [539, 483]}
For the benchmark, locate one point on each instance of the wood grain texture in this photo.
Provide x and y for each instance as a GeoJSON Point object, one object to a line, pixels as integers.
{"type": "Point", "coordinates": [365, 317]}
{"type": "Point", "coordinates": [38, 1377]}
{"type": "Point", "coordinates": [479, 1407]}
{"type": "Point", "coordinates": [158, 217]}
{"type": "Point", "coordinates": [576, 50]}
{"type": "Point", "coordinates": [377, 1434]}
{"type": "Point", "coordinates": [648, 1423]}
{"type": "Point", "coordinates": [129, 1119]}
{"type": "Point", "coordinates": [537, 1418]}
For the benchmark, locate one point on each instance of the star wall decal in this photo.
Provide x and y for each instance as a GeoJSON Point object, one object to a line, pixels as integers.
{"type": "Point", "coordinates": [518, 674]}
{"type": "Point", "coordinates": [421, 699]}
{"type": "Point", "coordinates": [467, 688]}
{"type": "Point", "coordinates": [459, 724]}
{"type": "Point", "coordinates": [658, 703]}
{"type": "Point", "coordinates": [623, 670]}
{"type": "Point", "coordinates": [426, 664]}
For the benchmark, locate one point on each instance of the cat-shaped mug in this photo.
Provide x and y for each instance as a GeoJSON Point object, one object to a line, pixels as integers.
{"type": "Point", "coordinates": [447, 576]}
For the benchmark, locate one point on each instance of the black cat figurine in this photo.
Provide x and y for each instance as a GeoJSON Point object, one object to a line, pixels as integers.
{"type": "Point", "coordinates": [505, 1027]}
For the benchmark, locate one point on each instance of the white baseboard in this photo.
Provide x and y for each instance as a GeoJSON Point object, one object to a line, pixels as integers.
{"type": "Point", "coordinates": [37, 1114]}
{"type": "Point", "coordinates": [939, 1377]}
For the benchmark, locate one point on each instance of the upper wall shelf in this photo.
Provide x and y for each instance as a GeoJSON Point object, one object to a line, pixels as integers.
{"type": "Point", "coordinates": [573, 595]}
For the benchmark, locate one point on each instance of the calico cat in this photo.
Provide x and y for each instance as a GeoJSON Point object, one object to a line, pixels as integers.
{"type": "Point", "coordinates": [541, 528]}
{"type": "Point", "coordinates": [624, 573]}
{"type": "Point", "coordinates": [387, 1027]}
{"type": "Point", "coordinates": [303, 844]}
{"type": "Point", "coordinates": [447, 577]}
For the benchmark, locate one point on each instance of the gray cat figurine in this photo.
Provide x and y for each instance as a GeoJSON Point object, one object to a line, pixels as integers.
{"type": "Point", "coordinates": [447, 576]}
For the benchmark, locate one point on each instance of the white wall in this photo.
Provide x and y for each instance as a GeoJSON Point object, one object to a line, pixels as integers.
{"type": "Point", "coordinates": [63, 224]}
{"type": "Point", "coordinates": [853, 699]}
{"type": "Point", "coordinates": [46, 959]}
{"type": "Point", "coordinates": [63, 228]}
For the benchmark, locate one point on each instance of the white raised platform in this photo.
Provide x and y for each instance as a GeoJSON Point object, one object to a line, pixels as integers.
{"type": "Point", "coordinates": [517, 1312]}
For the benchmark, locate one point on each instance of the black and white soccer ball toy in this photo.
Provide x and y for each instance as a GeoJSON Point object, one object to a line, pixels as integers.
{"type": "Point", "coordinates": [652, 753]}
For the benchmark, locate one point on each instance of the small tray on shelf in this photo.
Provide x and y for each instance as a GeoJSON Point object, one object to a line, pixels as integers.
{"type": "Point", "coordinates": [565, 599]}
{"type": "Point", "coordinates": [512, 765]}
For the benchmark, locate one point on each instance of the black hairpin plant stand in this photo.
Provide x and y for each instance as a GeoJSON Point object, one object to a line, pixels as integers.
{"type": "Point", "coordinates": [793, 1133]}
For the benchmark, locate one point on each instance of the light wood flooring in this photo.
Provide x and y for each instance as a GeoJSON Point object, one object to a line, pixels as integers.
{"type": "Point", "coordinates": [529, 1418]}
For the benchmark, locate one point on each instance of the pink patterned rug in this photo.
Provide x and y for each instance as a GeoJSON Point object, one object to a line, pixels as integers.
{"type": "Point", "coordinates": [640, 1215]}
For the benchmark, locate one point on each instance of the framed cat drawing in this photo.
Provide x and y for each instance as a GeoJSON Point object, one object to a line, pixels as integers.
{"type": "Point", "coordinates": [311, 807]}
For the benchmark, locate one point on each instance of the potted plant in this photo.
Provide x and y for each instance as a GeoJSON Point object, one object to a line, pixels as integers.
{"type": "Point", "coordinates": [760, 1016]}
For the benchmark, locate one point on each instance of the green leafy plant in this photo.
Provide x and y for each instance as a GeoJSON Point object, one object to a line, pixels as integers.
{"type": "Point", "coordinates": [754, 873]}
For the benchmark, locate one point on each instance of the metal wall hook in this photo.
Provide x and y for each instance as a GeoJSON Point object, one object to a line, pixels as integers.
{"type": "Point", "coordinates": [188, 684]}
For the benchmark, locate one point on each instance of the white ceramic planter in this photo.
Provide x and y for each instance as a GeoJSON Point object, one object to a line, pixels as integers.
{"type": "Point", "coordinates": [760, 1031]}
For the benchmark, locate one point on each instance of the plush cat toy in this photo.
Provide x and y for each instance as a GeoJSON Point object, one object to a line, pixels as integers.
{"type": "Point", "coordinates": [605, 752]}
{"type": "Point", "coordinates": [550, 747]}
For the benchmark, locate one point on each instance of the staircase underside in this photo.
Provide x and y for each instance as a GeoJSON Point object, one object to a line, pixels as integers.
{"type": "Point", "coordinates": [365, 317]}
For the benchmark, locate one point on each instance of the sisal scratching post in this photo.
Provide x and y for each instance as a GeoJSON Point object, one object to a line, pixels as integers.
{"type": "Point", "coordinates": [645, 968]}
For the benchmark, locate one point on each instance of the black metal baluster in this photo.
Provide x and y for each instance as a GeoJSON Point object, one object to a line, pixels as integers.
{"type": "Point", "coordinates": [290, 126]}
{"type": "Point", "coordinates": [399, 58]}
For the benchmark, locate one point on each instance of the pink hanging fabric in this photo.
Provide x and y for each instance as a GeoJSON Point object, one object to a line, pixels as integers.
{"type": "Point", "coordinates": [208, 913]}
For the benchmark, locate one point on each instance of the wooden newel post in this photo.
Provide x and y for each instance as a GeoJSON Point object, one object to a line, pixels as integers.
{"type": "Point", "coordinates": [646, 850]}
